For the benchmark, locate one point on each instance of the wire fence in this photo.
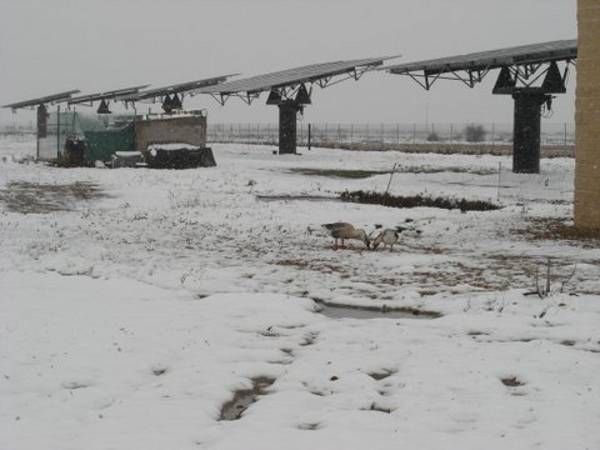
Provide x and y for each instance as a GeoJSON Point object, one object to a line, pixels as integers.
{"type": "Point", "coordinates": [328, 134]}
{"type": "Point", "coordinates": [553, 185]}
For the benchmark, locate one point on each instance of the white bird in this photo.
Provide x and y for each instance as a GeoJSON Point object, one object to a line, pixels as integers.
{"type": "Point", "coordinates": [386, 237]}
{"type": "Point", "coordinates": [391, 236]}
{"type": "Point", "coordinates": [343, 231]}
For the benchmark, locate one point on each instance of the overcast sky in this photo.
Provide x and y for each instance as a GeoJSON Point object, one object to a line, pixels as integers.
{"type": "Point", "coordinates": [47, 46]}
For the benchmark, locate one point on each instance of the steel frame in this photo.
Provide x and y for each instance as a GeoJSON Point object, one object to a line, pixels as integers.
{"type": "Point", "coordinates": [288, 92]}
{"type": "Point", "coordinates": [526, 74]}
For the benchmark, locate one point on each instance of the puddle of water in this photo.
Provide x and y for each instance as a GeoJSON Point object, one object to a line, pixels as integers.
{"type": "Point", "coordinates": [242, 399]}
{"type": "Point", "coordinates": [312, 198]}
{"type": "Point", "coordinates": [357, 312]}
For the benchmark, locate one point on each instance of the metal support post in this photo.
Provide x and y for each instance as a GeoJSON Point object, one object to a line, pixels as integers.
{"type": "Point", "coordinates": [527, 126]}
{"type": "Point", "coordinates": [288, 111]}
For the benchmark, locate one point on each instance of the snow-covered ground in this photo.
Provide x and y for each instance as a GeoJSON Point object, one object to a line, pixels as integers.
{"type": "Point", "coordinates": [134, 303]}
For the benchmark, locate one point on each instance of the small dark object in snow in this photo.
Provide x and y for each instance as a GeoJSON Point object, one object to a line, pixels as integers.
{"type": "Point", "coordinates": [308, 426]}
{"type": "Point", "coordinates": [378, 408]}
{"type": "Point", "coordinates": [334, 378]}
{"type": "Point", "coordinates": [73, 385]}
{"type": "Point", "coordinates": [511, 382]}
{"type": "Point", "coordinates": [568, 342]}
{"type": "Point", "coordinates": [381, 375]}
{"type": "Point", "coordinates": [158, 371]}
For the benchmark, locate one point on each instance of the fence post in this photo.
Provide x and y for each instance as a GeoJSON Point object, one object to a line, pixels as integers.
{"type": "Point", "coordinates": [309, 134]}
{"type": "Point", "coordinates": [58, 131]}
{"type": "Point", "coordinates": [499, 180]}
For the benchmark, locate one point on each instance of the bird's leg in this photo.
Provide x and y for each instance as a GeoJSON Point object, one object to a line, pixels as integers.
{"type": "Point", "coordinates": [391, 247]}
{"type": "Point", "coordinates": [343, 245]}
{"type": "Point", "coordinates": [335, 245]}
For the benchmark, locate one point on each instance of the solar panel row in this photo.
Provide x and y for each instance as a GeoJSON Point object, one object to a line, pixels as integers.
{"type": "Point", "coordinates": [291, 77]}
{"type": "Point", "coordinates": [521, 55]}
{"type": "Point", "coordinates": [107, 95]}
{"type": "Point", "coordinates": [54, 98]}
{"type": "Point", "coordinates": [190, 87]}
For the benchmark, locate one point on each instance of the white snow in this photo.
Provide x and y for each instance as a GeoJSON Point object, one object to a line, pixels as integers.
{"type": "Point", "coordinates": [128, 154]}
{"type": "Point", "coordinates": [171, 146]}
{"type": "Point", "coordinates": [186, 274]}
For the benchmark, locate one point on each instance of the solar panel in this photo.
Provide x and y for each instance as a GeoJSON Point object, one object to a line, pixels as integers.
{"type": "Point", "coordinates": [190, 87]}
{"type": "Point", "coordinates": [290, 77]}
{"type": "Point", "coordinates": [108, 95]}
{"type": "Point", "coordinates": [52, 99]}
{"type": "Point", "coordinates": [521, 55]}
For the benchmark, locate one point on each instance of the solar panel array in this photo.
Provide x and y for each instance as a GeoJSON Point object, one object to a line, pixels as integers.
{"type": "Point", "coordinates": [521, 55]}
{"type": "Point", "coordinates": [54, 98]}
{"type": "Point", "coordinates": [108, 95]}
{"type": "Point", "coordinates": [290, 77]}
{"type": "Point", "coordinates": [190, 87]}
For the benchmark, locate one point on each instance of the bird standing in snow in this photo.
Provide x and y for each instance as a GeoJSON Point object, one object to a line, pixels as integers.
{"type": "Point", "coordinates": [342, 231]}
{"type": "Point", "coordinates": [386, 237]}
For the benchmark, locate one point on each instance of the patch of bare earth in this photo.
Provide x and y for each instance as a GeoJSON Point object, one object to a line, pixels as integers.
{"type": "Point", "coordinates": [559, 229]}
{"type": "Point", "coordinates": [36, 198]}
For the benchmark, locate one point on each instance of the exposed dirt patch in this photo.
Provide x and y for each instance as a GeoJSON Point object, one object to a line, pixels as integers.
{"type": "Point", "coordinates": [338, 173]}
{"type": "Point", "coordinates": [335, 311]}
{"type": "Point", "coordinates": [242, 399]}
{"type": "Point", "coordinates": [416, 201]}
{"type": "Point", "coordinates": [313, 198]}
{"type": "Point", "coordinates": [35, 198]}
{"type": "Point", "coordinates": [559, 229]}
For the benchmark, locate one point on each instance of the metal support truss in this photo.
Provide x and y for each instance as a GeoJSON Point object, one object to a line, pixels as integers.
{"type": "Point", "coordinates": [526, 75]}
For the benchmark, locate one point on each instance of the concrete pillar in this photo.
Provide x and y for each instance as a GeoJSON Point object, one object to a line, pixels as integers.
{"type": "Point", "coordinates": [288, 111]}
{"type": "Point", "coordinates": [527, 127]}
{"type": "Point", "coordinates": [587, 118]}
